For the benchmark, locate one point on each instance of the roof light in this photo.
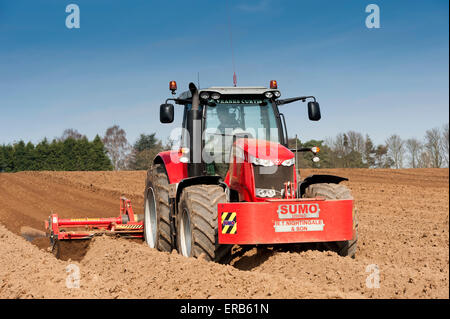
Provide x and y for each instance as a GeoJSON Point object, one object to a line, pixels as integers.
{"type": "Point", "coordinates": [173, 86]}
{"type": "Point", "coordinates": [215, 95]}
{"type": "Point", "coordinates": [268, 95]}
{"type": "Point", "coordinates": [204, 95]}
{"type": "Point", "coordinates": [273, 84]}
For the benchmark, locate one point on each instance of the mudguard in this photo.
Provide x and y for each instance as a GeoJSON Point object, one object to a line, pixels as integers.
{"type": "Point", "coordinates": [208, 180]}
{"type": "Point", "coordinates": [176, 170]}
{"type": "Point", "coordinates": [317, 179]}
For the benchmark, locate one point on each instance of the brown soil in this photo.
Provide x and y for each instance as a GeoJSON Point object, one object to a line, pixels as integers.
{"type": "Point", "coordinates": [403, 230]}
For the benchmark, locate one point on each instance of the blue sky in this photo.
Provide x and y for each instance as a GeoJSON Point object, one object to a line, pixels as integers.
{"type": "Point", "coordinates": [116, 68]}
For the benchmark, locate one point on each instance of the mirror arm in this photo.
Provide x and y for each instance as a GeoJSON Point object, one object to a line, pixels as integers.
{"type": "Point", "coordinates": [304, 149]}
{"type": "Point", "coordinates": [179, 101]}
{"type": "Point", "coordinates": [294, 99]}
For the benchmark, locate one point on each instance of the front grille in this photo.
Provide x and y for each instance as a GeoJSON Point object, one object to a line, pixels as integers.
{"type": "Point", "coordinates": [273, 177]}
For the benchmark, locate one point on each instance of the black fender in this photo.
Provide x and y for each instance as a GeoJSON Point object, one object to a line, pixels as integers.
{"type": "Point", "coordinates": [318, 179]}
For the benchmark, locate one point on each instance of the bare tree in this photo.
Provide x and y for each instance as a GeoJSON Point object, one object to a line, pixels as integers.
{"type": "Point", "coordinates": [171, 144]}
{"type": "Point", "coordinates": [424, 160]}
{"type": "Point", "coordinates": [396, 150]}
{"type": "Point", "coordinates": [433, 145]}
{"type": "Point", "coordinates": [356, 142]}
{"type": "Point", "coordinates": [118, 148]}
{"type": "Point", "coordinates": [382, 160]}
{"type": "Point", "coordinates": [339, 146]}
{"type": "Point", "coordinates": [414, 148]}
{"type": "Point", "coordinates": [445, 145]}
{"type": "Point", "coordinates": [71, 133]}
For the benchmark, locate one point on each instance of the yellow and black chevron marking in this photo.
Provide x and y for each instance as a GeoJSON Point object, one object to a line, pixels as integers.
{"type": "Point", "coordinates": [129, 226]}
{"type": "Point", "coordinates": [229, 223]}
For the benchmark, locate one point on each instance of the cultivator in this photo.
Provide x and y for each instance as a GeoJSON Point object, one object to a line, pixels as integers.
{"type": "Point", "coordinates": [127, 224]}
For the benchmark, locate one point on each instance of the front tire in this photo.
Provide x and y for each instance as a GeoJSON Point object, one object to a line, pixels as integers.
{"type": "Point", "coordinates": [336, 191]}
{"type": "Point", "coordinates": [197, 223]}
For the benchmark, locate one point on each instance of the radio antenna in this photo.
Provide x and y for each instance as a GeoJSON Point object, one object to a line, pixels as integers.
{"type": "Point", "coordinates": [231, 44]}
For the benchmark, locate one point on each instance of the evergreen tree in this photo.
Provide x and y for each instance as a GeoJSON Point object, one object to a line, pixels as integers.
{"type": "Point", "coordinates": [145, 150]}
{"type": "Point", "coordinates": [2, 159]}
{"type": "Point", "coordinates": [30, 157]}
{"type": "Point", "coordinates": [19, 156]}
{"type": "Point", "coordinates": [69, 154]}
{"type": "Point", "coordinates": [369, 152]}
{"type": "Point", "coordinates": [43, 155]}
{"type": "Point", "coordinates": [99, 159]}
{"type": "Point", "coordinates": [8, 159]}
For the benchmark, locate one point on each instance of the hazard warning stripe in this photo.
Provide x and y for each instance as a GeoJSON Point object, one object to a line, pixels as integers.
{"type": "Point", "coordinates": [128, 226]}
{"type": "Point", "coordinates": [229, 223]}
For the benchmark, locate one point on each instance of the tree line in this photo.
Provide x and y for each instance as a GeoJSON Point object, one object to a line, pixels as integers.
{"type": "Point", "coordinates": [74, 152]}
{"type": "Point", "coordinates": [355, 150]}
{"type": "Point", "coordinates": [70, 152]}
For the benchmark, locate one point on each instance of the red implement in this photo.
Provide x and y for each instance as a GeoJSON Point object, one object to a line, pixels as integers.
{"type": "Point", "coordinates": [127, 224]}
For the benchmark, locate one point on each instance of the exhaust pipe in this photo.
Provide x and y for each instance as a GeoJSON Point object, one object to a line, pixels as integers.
{"type": "Point", "coordinates": [194, 128]}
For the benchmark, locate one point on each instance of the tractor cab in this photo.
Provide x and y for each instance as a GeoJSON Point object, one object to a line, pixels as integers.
{"type": "Point", "coordinates": [240, 135]}
{"type": "Point", "coordinates": [229, 114]}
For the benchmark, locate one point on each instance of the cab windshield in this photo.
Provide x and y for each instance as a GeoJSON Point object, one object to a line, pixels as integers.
{"type": "Point", "coordinates": [234, 118]}
{"type": "Point", "coordinates": [253, 119]}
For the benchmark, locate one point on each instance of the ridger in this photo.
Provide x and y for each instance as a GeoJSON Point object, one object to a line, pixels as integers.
{"type": "Point", "coordinates": [203, 208]}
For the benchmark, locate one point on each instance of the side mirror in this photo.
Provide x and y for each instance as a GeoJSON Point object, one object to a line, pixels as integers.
{"type": "Point", "coordinates": [166, 113]}
{"type": "Point", "coordinates": [314, 111]}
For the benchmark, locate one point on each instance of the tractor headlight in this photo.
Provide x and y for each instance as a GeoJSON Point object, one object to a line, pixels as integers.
{"type": "Point", "coordinates": [260, 161]}
{"type": "Point", "coordinates": [215, 95]}
{"type": "Point", "coordinates": [268, 95]}
{"type": "Point", "coordinates": [277, 93]}
{"type": "Point", "coordinates": [204, 95]}
{"type": "Point", "coordinates": [288, 162]}
{"type": "Point", "coordinates": [261, 192]}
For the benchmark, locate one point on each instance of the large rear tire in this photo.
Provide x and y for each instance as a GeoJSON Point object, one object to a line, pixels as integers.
{"type": "Point", "coordinates": [197, 223]}
{"type": "Point", "coordinates": [336, 191]}
{"type": "Point", "coordinates": [157, 209]}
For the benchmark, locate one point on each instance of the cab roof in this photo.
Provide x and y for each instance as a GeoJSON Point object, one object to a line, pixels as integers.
{"type": "Point", "coordinates": [231, 90]}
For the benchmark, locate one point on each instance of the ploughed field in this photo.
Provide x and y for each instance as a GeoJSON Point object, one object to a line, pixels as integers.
{"type": "Point", "coordinates": [403, 247]}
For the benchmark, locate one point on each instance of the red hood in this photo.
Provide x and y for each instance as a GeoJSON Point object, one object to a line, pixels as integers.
{"type": "Point", "coordinates": [264, 149]}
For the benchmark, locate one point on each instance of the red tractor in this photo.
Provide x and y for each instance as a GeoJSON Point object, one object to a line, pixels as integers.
{"type": "Point", "coordinates": [234, 179]}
